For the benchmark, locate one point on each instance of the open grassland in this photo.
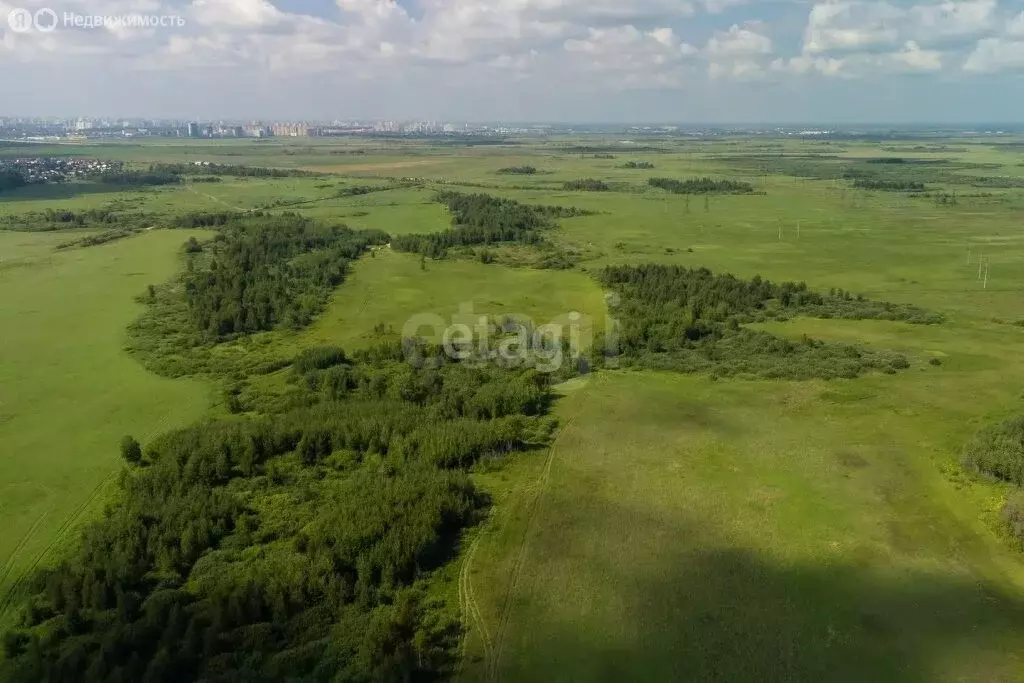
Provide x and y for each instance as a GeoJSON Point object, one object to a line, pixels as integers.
{"type": "Point", "coordinates": [68, 392]}
{"type": "Point", "coordinates": [685, 529]}
{"type": "Point", "coordinates": [392, 289]}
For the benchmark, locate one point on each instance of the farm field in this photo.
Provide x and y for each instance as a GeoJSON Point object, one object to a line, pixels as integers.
{"type": "Point", "coordinates": [68, 392]}
{"type": "Point", "coordinates": [677, 526]}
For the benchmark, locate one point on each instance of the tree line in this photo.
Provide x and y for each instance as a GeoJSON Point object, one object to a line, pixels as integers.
{"type": "Point", "coordinates": [701, 186]}
{"type": "Point", "coordinates": [517, 170]}
{"type": "Point", "coordinates": [587, 185]}
{"type": "Point", "coordinates": [208, 168]}
{"type": "Point", "coordinates": [11, 180]}
{"type": "Point", "coordinates": [889, 185]}
{"type": "Point", "coordinates": [692, 320]}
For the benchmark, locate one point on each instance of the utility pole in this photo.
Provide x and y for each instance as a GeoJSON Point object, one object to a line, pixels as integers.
{"type": "Point", "coordinates": [985, 285]}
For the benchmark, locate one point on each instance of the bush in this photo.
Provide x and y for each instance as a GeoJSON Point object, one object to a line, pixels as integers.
{"type": "Point", "coordinates": [517, 170]}
{"type": "Point", "coordinates": [587, 185]}
{"type": "Point", "coordinates": [998, 451]}
{"type": "Point", "coordinates": [1013, 517]}
{"type": "Point", "coordinates": [131, 451]}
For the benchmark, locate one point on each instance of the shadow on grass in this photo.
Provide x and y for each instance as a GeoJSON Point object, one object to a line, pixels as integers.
{"type": "Point", "coordinates": [61, 191]}
{"type": "Point", "coordinates": [663, 603]}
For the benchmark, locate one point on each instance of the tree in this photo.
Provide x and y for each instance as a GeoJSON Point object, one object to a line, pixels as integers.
{"type": "Point", "coordinates": [131, 451]}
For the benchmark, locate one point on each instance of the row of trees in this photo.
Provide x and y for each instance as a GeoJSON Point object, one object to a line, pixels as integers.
{"type": "Point", "coordinates": [638, 164]}
{"type": "Point", "coordinates": [889, 185]}
{"type": "Point", "coordinates": [298, 544]}
{"type": "Point", "coordinates": [139, 178]}
{"type": "Point", "coordinates": [701, 186]}
{"type": "Point", "coordinates": [587, 185]}
{"type": "Point", "coordinates": [517, 170]}
{"type": "Point", "coordinates": [230, 170]}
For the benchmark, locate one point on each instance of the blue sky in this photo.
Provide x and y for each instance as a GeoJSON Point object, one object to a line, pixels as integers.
{"type": "Point", "coordinates": [726, 61]}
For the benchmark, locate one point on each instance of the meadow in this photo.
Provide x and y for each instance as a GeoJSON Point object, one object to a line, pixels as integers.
{"type": "Point", "coordinates": [68, 392]}
{"type": "Point", "coordinates": [678, 527]}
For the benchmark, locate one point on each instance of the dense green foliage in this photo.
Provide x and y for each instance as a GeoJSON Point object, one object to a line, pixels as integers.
{"type": "Point", "coordinates": [1013, 517]}
{"type": "Point", "coordinates": [263, 271]}
{"type": "Point", "coordinates": [517, 170]}
{"type": "Point", "coordinates": [484, 219]}
{"type": "Point", "coordinates": [587, 185]}
{"type": "Point", "coordinates": [139, 178]}
{"type": "Point", "coordinates": [638, 164]}
{"type": "Point", "coordinates": [294, 544]}
{"type": "Point", "coordinates": [11, 180]}
{"type": "Point", "coordinates": [701, 186]}
{"type": "Point", "coordinates": [691, 320]}
{"type": "Point", "coordinates": [231, 170]}
{"type": "Point", "coordinates": [889, 185]}
{"type": "Point", "coordinates": [998, 451]}
{"type": "Point", "coordinates": [108, 220]}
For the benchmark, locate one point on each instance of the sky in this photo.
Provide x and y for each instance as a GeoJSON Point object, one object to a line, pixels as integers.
{"type": "Point", "coordinates": [664, 61]}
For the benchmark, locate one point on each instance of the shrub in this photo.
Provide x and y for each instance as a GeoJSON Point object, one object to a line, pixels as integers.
{"type": "Point", "coordinates": [131, 451]}
{"type": "Point", "coordinates": [998, 451]}
{"type": "Point", "coordinates": [587, 185]}
{"type": "Point", "coordinates": [1013, 517]}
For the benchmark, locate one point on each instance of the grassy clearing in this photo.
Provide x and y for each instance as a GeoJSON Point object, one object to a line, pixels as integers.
{"type": "Point", "coordinates": [391, 288]}
{"type": "Point", "coordinates": [67, 390]}
{"type": "Point", "coordinates": [694, 530]}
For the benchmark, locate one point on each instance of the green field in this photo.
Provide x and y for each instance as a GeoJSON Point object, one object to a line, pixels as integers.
{"type": "Point", "coordinates": [68, 392]}
{"type": "Point", "coordinates": [680, 527]}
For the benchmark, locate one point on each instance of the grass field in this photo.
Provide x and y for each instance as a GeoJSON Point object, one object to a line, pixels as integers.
{"type": "Point", "coordinates": [680, 528]}
{"type": "Point", "coordinates": [68, 392]}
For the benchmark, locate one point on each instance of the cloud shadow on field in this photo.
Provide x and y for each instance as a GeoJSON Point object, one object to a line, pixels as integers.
{"type": "Point", "coordinates": [663, 601]}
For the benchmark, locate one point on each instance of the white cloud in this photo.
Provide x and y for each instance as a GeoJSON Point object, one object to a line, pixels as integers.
{"type": "Point", "coordinates": [995, 54]}
{"type": "Point", "coordinates": [911, 58]}
{"type": "Point", "coordinates": [856, 26]}
{"type": "Point", "coordinates": [1015, 29]}
{"type": "Point", "coordinates": [738, 42]}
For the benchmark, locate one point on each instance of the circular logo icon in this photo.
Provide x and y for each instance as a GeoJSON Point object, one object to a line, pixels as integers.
{"type": "Point", "coordinates": [45, 20]}
{"type": "Point", "coordinates": [20, 20]}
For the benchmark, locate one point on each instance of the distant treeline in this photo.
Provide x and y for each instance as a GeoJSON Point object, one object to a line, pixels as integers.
{"type": "Point", "coordinates": [701, 186]}
{"type": "Point", "coordinates": [889, 185]}
{"type": "Point", "coordinates": [65, 219]}
{"type": "Point", "coordinates": [11, 180]}
{"type": "Point", "coordinates": [263, 271]}
{"type": "Point", "coordinates": [139, 178]}
{"type": "Point", "coordinates": [638, 164]}
{"type": "Point", "coordinates": [484, 219]}
{"type": "Point", "coordinates": [231, 170]}
{"type": "Point", "coordinates": [517, 170]}
{"type": "Point", "coordinates": [296, 544]}
{"type": "Point", "coordinates": [691, 321]}
{"type": "Point", "coordinates": [604, 149]}
{"type": "Point", "coordinates": [587, 185]}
